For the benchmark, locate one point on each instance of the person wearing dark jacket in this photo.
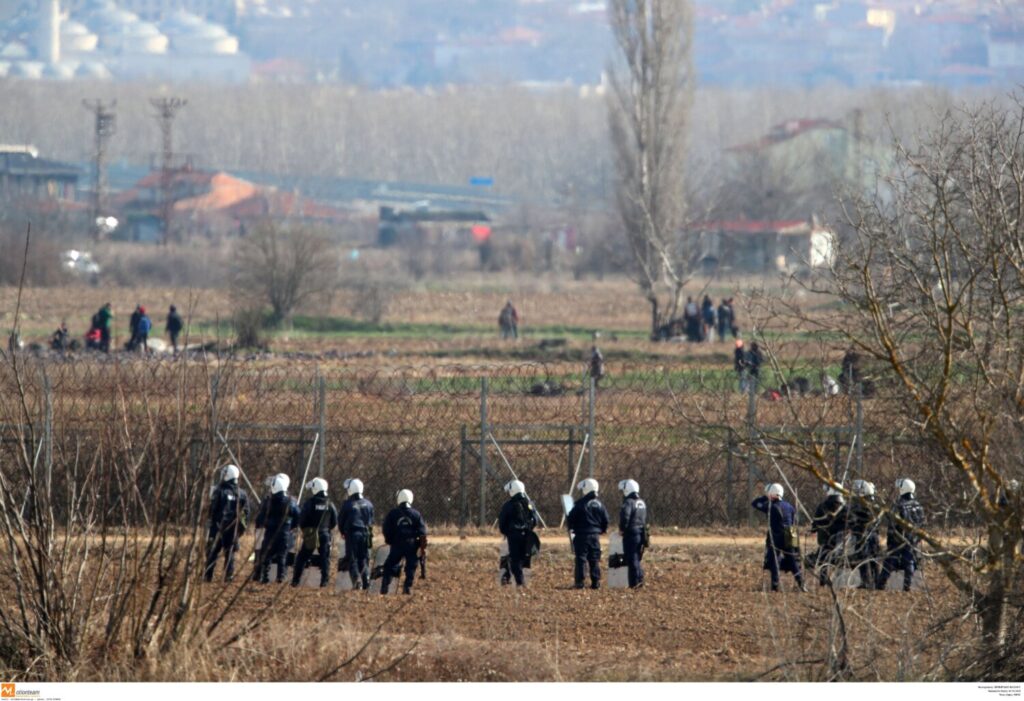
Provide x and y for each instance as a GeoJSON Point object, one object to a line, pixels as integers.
{"type": "Point", "coordinates": [900, 540]}
{"type": "Point", "coordinates": [278, 517]}
{"type": "Point", "coordinates": [829, 525]}
{"type": "Point", "coordinates": [516, 521]}
{"type": "Point", "coordinates": [754, 361]}
{"type": "Point", "coordinates": [229, 514]}
{"type": "Point", "coordinates": [133, 327]}
{"type": "Point", "coordinates": [142, 328]}
{"type": "Point", "coordinates": [781, 552]}
{"type": "Point", "coordinates": [633, 527]}
{"type": "Point", "coordinates": [863, 523]}
{"type": "Point", "coordinates": [174, 326]}
{"type": "Point", "coordinates": [105, 323]}
{"type": "Point", "coordinates": [317, 519]}
{"type": "Point", "coordinates": [587, 521]}
{"type": "Point", "coordinates": [356, 526]}
{"type": "Point", "coordinates": [406, 532]}
{"type": "Point", "coordinates": [724, 318]}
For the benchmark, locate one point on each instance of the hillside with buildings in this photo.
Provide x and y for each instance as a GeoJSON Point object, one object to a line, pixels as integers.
{"type": "Point", "coordinates": [535, 43]}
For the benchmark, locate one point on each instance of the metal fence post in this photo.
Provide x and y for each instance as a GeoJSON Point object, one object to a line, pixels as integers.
{"type": "Point", "coordinates": [463, 491]}
{"type": "Point", "coordinates": [860, 430]}
{"type": "Point", "coordinates": [483, 451]}
{"type": "Point", "coordinates": [730, 504]}
{"type": "Point", "coordinates": [751, 437]}
{"type": "Point", "coordinates": [591, 428]}
{"type": "Point", "coordinates": [322, 402]}
{"type": "Point", "coordinates": [48, 436]}
{"type": "Point", "coordinates": [571, 456]}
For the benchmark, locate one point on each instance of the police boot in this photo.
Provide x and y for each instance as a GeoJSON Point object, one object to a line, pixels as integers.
{"type": "Point", "coordinates": [596, 584]}
{"type": "Point", "coordinates": [324, 581]}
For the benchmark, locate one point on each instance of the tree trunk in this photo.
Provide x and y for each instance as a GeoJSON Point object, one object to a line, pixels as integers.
{"type": "Point", "coordinates": [994, 605]}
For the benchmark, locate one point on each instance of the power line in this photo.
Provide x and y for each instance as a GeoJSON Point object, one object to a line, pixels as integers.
{"type": "Point", "coordinates": [166, 110]}
{"type": "Point", "coordinates": [105, 127]}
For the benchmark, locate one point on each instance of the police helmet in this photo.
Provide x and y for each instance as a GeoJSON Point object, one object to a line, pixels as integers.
{"type": "Point", "coordinates": [317, 485]}
{"type": "Point", "coordinates": [628, 487]}
{"type": "Point", "coordinates": [353, 487]}
{"type": "Point", "coordinates": [774, 490]}
{"type": "Point", "coordinates": [588, 486]}
{"type": "Point", "coordinates": [515, 487]}
{"type": "Point", "coordinates": [404, 496]}
{"type": "Point", "coordinates": [229, 473]}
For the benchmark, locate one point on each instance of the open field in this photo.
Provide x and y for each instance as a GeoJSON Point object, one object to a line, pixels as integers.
{"type": "Point", "coordinates": [702, 616]}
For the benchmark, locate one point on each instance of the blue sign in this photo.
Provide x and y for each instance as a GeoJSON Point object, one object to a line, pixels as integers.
{"type": "Point", "coordinates": [479, 181]}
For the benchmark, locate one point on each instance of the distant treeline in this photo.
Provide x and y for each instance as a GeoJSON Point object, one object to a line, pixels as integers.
{"type": "Point", "coordinates": [549, 146]}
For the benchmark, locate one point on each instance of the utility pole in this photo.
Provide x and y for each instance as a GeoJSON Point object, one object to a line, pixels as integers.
{"type": "Point", "coordinates": [106, 125]}
{"type": "Point", "coordinates": [166, 110]}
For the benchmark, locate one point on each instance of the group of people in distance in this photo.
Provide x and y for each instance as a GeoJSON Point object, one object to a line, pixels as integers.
{"type": "Point", "coordinates": [404, 530]}
{"type": "Point", "coordinates": [101, 326]}
{"type": "Point", "coordinates": [833, 521]}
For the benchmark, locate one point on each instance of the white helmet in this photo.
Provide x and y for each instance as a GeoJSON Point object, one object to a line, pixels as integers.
{"type": "Point", "coordinates": [869, 489]}
{"type": "Point", "coordinates": [353, 486]}
{"type": "Point", "coordinates": [404, 497]}
{"type": "Point", "coordinates": [280, 484]}
{"type": "Point", "coordinates": [317, 485]}
{"type": "Point", "coordinates": [774, 490]}
{"type": "Point", "coordinates": [588, 485]}
{"type": "Point", "coordinates": [515, 487]}
{"type": "Point", "coordinates": [229, 473]}
{"type": "Point", "coordinates": [628, 487]}
{"type": "Point", "coordinates": [906, 486]}
{"type": "Point", "coordinates": [833, 491]}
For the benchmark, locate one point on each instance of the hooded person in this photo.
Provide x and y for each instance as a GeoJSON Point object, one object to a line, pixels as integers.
{"type": "Point", "coordinates": [229, 515]}
{"type": "Point", "coordinates": [587, 521]}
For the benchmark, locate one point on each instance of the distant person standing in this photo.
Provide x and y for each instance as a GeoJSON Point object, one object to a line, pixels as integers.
{"type": "Point", "coordinates": [105, 322]}
{"type": "Point", "coordinates": [142, 329]}
{"type": "Point", "coordinates": [174, 326]}
{"type": "Point", "coordinates": [133, 327]}
{"type": "Point", "coordinates": [754, 361]}
{"type": "Point", "coordinates": [508, 321]}
{"type": "Point", "coordinates": [707, 312]}
{"type": "Point", "coordinates": [734, 328]}
{"type": "Point", "coordinates": [691, 313]}
{"type": "Point", "coordinates": [596, 365]}
{"type": "Point", "coordinates": [724, 320]}
{"type": "Point", "coordinates": [739, 364]}
{"type": "Point", "coordinates": [59, 339]}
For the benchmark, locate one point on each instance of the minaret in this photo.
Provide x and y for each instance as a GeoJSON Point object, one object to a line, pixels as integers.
{"type": "Point", "coordinates": [48, 44]}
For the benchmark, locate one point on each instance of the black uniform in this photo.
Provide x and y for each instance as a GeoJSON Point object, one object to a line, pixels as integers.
{"type": "Point", "coordinates": [587, 520]}
{"type": "Point", "coordinates": [517, 519]}
{"type": "Point", "coordinates": [356, 524]}
{"type": "Point", "coordinates": [278, 517]}
{"type": "Point", "coordinates": [632, 524]}
{"type": "Point", "coordinates": [829, 524]}
{"type": "Point", "coordinates": [229, 513]}
{"type": "Point", "coordinates": [777, 556]}
{"type": "Point", "coordinates": [317, 513]}
{"type": "Point", "coordinates": [403, 528]}
{"type": "Point", "coordinates": [863, 523]}
{"type": "Point", "coordinates": [901, 543]}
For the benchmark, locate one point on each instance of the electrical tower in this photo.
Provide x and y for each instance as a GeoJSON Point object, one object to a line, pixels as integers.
{"type": "Point", "coordinates": [106, 125]}
{"type": "Point", "coordinates": [166, 110]}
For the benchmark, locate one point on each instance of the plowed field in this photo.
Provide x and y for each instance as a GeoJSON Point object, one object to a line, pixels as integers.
{"type": "Point", "coordinates": [704, 615]}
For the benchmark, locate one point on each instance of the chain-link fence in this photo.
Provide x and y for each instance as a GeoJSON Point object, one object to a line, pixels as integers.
{"type": "Point", "coordinates": [699, 448]}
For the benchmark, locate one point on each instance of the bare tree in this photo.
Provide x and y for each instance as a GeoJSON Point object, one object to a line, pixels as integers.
{"type": "Point", "coordinates": [285, 267]}
{"type": "Point", "coordinates": [648, 106]}
{"type": "Point", "coordinates": [930, 286]}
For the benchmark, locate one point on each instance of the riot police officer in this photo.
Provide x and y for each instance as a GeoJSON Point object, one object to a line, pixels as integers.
{"type": "Point", "coordinates": [829, 525]}
{"type": "Point", "coordinates": [516, 522]}
{"type": "Point", "coordinates": [278, 517]}
{"type": "Point", "coordinates": [587, 521]}
{"type": "Point", "coordinates": [406, 532]}
{"type": "Point", "coordinates": [229, 514]}
{"type": "Point", "coordinates": [356, 526]}
{"type": "Point", "coordinates": [900, 540]}
{"type": "Point", "coordinates": [863, 523]}
{"type": "Point", "coordinates": [633, 527]}
{"type": "Point", "coordinates": [316, 520]}
{"type": "Point", "coordinates": [781, 551]}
